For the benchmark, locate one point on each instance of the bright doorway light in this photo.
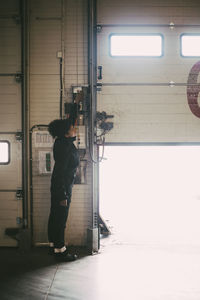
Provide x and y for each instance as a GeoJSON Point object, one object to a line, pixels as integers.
{"type": "Point", "coordinates": [136, 45]}
{"type": "Point", "coordinates": [4, 152]}
{"type": "Point", "coordinates": [152, 193]}
{"type": "Point", "coordinates": [190, 45]}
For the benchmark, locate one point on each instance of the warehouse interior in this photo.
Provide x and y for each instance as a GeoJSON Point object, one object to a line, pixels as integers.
{"type": "Point", "coordinates": [132, 68]}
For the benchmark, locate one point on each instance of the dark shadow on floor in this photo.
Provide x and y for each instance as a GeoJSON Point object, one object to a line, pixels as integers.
{"type": "Point", "coordinates": [27, 275]}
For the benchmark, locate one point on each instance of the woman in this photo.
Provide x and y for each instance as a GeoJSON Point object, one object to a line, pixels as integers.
{"type": "Point", "coordinates": [66, 162]}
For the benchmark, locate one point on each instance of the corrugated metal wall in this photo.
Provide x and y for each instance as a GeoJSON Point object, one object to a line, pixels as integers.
{"type": "Point", "coordinates": [148, 12]}
{"type": "Point", "coordinates": [151, 112]}
{"type": "Point", "coordinates": [47, 32]}
{"type": "Point", "coordinates": [10, 118]}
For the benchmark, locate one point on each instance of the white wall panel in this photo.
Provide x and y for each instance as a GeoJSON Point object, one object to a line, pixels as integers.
{"type": "Point", "coordinates": [80, 213]}
{"type": "Point", "coordinates": [10, 179]}
{"type": "Point", "coordinates": [148, 12]}
{"type": "Point", "coordinates": [76, 43]}
{"type": "Point", "coordinates": [10, 46]}
{"type": "Point", "coordinates": [10, 210]}
{"type": "Point", "coordinates": [41, 207]}
{"type": "Point", "coordinates": [10, 104]}
{"type": "Point", "coordinates": [10, 175]}
{"type": "Point", "coordinates": [10, 117]}
{"type": "Point", "coordinates": [147, 113]}
{"type": "Point", "coordinates": [135, 69]}
{"type": "Point", "coordinates": [44, 98]}
{"type": "Point", "coordinates": [45, 42]}
{"type": "Point", "coordinates": [46, 8]}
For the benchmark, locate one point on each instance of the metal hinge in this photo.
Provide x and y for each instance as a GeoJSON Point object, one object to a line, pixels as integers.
{"type": "Point", "coordinates": [19, 136]}
{"type": "Point", "coordinates": [19, 194]}
{"type": "Point", "coordinates": [19, 220]}
{"type": "Point", "coordinates": [99, 87]}
{"type": "Point", "coordinates": [99, 28]}
{"type": "Point", "coordinates": [95, 220]}
{"type": "Point", "coordinates": [18, 77]}
{"type": "Point", "coordinates": [171, 25]}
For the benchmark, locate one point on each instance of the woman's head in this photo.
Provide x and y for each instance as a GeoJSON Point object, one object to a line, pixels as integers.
{"type": "Point", "coordinates": [60, 128]}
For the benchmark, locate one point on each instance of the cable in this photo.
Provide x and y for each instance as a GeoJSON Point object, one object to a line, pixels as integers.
{"type": "Point", "coordinates": [91, 156]}
{"type": "Point", "coordinates": [103, 144]}
{"type": "Point", "coordinates": [61, 88]}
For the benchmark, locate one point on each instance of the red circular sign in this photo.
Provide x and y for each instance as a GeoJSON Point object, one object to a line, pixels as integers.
{"type": "Point", "coordinates": [193, 89]}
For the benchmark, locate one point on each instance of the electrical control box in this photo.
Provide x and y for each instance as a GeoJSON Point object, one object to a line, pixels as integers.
{"type": "Point", "coordinates": [45, 162]}
{"type": "Point", "coordinates": [42, 139]}
{"type": "Point", "coordinates": [80, 142]}
{"type": "Point", "coordinates": [43, 145]}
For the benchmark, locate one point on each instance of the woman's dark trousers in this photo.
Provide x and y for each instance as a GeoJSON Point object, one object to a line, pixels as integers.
{"type": "Point", "coordinates": [57, 224]}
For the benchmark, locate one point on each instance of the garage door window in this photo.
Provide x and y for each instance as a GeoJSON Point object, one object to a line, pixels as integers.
{"type": "Point", "coordinates": [190, 45]}
{"type": "Point", "coordinates": [4, 152]}
{"type": "Point", "coordinates": [136, 45]}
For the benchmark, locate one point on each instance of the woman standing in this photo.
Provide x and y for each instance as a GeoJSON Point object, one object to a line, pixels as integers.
{"type": "Point", "coordinates": [66, 162]}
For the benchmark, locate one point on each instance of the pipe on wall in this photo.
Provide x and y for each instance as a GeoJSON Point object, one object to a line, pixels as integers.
{"type": "Point", "coordinates": [23, 11]}
{"type": "Point", "coordinates": [62, 59]}
{"type": "Point", "coordinates": [61, 87]}
{"type": "Point", "coordinates": [92, 81]}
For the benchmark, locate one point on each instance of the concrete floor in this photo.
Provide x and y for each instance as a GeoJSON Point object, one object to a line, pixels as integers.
{"type": "Point", "coordinates": [121, 271]}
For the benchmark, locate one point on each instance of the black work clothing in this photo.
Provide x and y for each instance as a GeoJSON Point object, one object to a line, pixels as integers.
{"type": "Point", "coordinates": [57, 224]}
{"type": "Point", "coordinates": [66, 162]}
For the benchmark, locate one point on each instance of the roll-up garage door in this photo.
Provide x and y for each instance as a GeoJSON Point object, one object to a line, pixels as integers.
{"type": "Point", "coordinates": [150, 86]}
{"type": "Point", "coordinates": [10, 120]}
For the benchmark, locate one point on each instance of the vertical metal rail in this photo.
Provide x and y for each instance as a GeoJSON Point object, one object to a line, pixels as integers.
{"type": "Point", "coordinates": [61, 87]}
{"type": "Point", "coordinates": [23, 8]}
{"type": "Point", "coordinates": [62, 59]}
{"type": "Point", "coordinates": [92, 80]}
{"type": "Point", "coordinates": [31, 175]}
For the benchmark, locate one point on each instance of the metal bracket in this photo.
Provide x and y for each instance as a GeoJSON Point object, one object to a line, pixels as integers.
{"type": "Point", "coordinates": [100, 77]}
{"type": "Point", "coordinates": [95, 219]}
{"type": "Point", "coordinates": [171, 25]}
{"type": "Point", "coordinates": [171, 83]}
{"type": "Point", "coordinates": [99, 87]}
{"type": "Point", "coordinates": [99, 28]}
{"type": "Point", "coordinates": [19, 194]}
{"type": "Point", "coordinates": [19, 136]}
{"type": "Point", "coordinates": [19, 220]}
{"type": "Point", "coordinates": [18, 77]}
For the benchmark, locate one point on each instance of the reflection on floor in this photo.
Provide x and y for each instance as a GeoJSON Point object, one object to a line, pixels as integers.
{"type": "Point", "coordinates": [140, 271]}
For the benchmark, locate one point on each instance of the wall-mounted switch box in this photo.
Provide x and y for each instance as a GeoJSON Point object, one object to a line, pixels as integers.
{"type": "Point", "coordinates": [80, 137]}
{"type": "Point", "coordinates": [59, 54]}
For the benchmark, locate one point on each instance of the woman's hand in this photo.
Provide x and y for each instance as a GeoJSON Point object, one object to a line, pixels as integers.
{"type": "Point", "coordinates": [63, 203]}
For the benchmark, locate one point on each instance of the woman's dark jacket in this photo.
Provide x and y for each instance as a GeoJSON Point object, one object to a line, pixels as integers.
{"type": "Point", "coordinates": [66, 162]}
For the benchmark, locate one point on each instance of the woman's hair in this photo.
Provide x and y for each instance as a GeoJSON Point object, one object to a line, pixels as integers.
{"type": "Point", "coordinates": [59, 127]}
